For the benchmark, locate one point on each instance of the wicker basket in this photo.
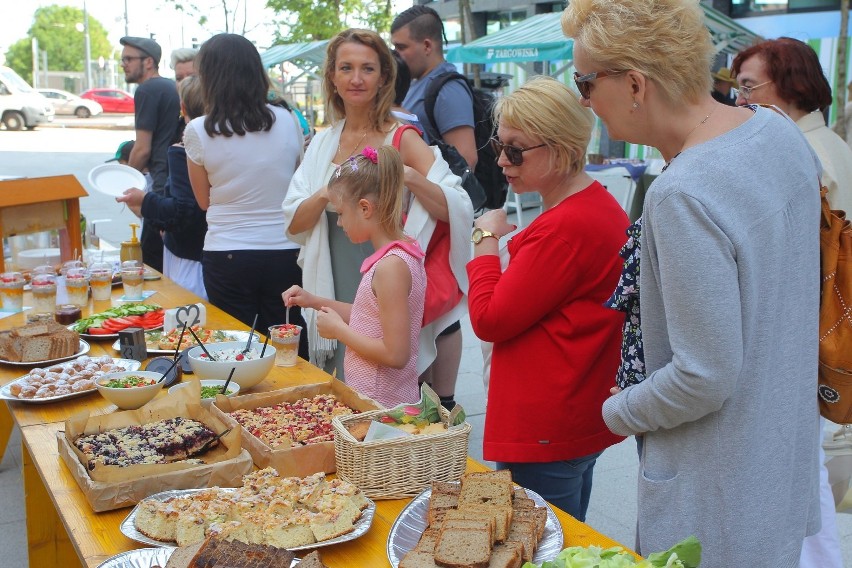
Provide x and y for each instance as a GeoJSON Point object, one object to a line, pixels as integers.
{"type": "Point", "coordinates": [400, 467]}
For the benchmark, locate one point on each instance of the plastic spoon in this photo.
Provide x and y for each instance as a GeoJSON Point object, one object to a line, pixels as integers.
{"type": "Point", "coordinates": [225, 386]}
{"type": "Point", "coordinates": [169, 370]}
{"type": "Point", "coordinates": [251, 334]}
{"type": "Point", "coordinates": [212, 358]}
{"type": "Point", "coordinates": [180, 340]}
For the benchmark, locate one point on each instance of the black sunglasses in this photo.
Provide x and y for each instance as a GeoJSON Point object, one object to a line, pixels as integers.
{"type": "Point", "coordinates": [514, 154]}
{"type": "Point", "coordinates": [584, 82]}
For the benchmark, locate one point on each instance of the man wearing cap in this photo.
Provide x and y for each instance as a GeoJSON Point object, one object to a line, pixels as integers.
{"type": "Point", "coordinates": [722, 85]}
{"type": "Point", "coordinates": [157, 109]}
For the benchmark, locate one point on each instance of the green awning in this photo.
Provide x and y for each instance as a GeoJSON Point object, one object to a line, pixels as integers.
{"type": "Point", "coordinates": [538, 38]}
{"type": "Point", "coordinates": [728, 36]}
{"type": "Point", "coordinates": [311, 53]}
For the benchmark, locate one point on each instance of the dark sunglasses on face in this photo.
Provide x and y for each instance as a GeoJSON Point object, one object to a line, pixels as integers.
{"type": "Point", "coordinates": [514, 154]}
{"type": "Point", "coordinates": [584, 82]}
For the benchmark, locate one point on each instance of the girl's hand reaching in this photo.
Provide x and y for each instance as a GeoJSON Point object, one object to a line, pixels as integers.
{"type": "Point", "coordinates": [297, 296]}
{"type": "Point", "coordinates": [330, 324]}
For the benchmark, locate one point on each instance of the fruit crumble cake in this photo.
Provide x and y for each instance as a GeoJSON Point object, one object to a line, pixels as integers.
{"type": "Point", "coordinates": [299, 423]}
{"type": "Point", "coordinates": [165, 441]}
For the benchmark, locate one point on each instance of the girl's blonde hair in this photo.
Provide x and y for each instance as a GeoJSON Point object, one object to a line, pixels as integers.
{"type": "Point", "coordinates": [548, 110]}
{"type": "Point", "coordinates": [665, 40]}
{"type": "Point", "coordinates": [380, 182]}
{"type": "Point", "coordinates": [192, 96]}
{"type": "Point", "coordinates": [380, 112]}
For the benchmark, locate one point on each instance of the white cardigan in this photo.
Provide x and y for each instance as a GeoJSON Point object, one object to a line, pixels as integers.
{"type": "Point", "coordinates": [315, 257]}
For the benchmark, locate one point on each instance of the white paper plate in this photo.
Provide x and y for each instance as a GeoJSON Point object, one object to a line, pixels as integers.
{"type": "Point", "coordinates": [411, 522]}
{"type": "Point", "coordinates": [128, 525]}
{"type": "Point", "coordinates": [6, 392]}
{"type": "Point", "coordinates": [84, 348]}
{"type": "Point", "coordinates": [113, 179]}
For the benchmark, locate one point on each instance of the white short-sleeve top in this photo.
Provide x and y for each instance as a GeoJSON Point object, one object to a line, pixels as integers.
{"type": "Point", "coordinates": [249, 176]}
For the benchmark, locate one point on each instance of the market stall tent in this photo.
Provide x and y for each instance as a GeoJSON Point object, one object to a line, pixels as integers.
{"type": "Point", "coordinates": [308, 57]}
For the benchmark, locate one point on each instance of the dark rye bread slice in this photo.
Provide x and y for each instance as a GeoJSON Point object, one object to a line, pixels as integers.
{"type": "Point", "coordinates": [463, 548]}
{"type": "Point", "coordinates": [220, 553]}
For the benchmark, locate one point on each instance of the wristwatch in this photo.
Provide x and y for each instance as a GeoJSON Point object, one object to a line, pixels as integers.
{"type": "Point", "coordinates": [479, 234]}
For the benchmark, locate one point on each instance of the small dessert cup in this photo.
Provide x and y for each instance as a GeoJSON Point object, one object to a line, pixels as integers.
{"type": "Point", "coordinates": [12, 291]}
{"type": "Point", "coordinates": [285, 338]}
{"type": "Point", "coordinates": [132, 278]}
{"type": "Point", "coordinates": [44, 293]}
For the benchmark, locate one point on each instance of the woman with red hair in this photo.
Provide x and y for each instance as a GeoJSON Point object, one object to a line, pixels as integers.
{"type": "Point", "coordinates": [786, 72]}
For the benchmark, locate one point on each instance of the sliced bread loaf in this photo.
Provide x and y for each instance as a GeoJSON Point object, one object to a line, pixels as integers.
{"type": "Point", "coordinates": [463, 548]}
{"type": "Point", "coordinates": [506, 555]}
{"type": "Point", "coordinates": [418, 559]}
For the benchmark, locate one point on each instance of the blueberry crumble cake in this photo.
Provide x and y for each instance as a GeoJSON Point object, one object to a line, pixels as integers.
{"type": "Point", "coordinates": [165, 441]}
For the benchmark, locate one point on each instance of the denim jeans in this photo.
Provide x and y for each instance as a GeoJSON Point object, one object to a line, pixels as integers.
{"type": "Point", "coordinates": [566, 484]}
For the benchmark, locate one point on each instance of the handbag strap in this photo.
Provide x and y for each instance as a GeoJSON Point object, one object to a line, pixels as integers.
{"type": "Point", "coordinates": [397, 136]}
{"type": "Point", "coordinates": [826, 206]}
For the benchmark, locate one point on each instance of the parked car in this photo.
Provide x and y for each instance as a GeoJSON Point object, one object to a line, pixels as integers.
{"type": "Point", "coordinates": [69, 103]}
{"type": "Point", "coordinates": [113, 100]}
{"type": "Point", "coordinates": [20, 106]}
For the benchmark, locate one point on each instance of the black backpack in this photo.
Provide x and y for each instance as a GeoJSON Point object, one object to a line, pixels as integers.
{"type": "Point", "coordinates": [488, 173]}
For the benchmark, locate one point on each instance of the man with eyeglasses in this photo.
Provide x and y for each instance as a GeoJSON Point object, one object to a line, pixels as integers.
{"type": "Point", "coordinates": [157, 106]}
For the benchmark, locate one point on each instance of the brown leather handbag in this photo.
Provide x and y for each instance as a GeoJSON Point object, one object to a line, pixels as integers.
{"type": "Point", "coordinates": [835, 315]}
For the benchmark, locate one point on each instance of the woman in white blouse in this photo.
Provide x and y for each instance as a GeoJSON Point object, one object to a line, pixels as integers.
{"type": "Point", "coordinates": [241, 156]}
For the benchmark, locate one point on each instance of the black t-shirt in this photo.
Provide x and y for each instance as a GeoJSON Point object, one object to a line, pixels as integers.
{"type": "Point", "coordinates": [157, 111]}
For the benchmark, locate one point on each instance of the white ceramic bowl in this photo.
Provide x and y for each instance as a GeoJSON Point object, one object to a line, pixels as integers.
{"type": "Point", "coordinates": [129, 398]}
{"type": "Point", "coordinates": [248, 372]}
{"type": "Point", "coordinates": [233, 388]}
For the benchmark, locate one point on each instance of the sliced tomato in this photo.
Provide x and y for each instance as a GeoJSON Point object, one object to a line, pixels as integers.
{"type": "Point", "coordinates": [99, 331]}
{"type": "Point", "coordinates": [113, 325]}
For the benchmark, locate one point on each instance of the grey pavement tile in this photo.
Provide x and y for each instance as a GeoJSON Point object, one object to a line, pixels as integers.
{"type": "Point", "coordinates": [12, 505]}
{"type": "Point", "coordinates": [13, 543]}
{"type": "Point", "coordinates": [11, 460]}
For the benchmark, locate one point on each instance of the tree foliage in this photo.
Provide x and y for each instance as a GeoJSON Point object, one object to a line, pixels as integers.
{"type": "Point", "coordinates": [55, 28]}
{"type": "Point", "coordinates": [311, 20]}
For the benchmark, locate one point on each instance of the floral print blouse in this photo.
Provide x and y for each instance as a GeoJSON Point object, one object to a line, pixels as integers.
{"type": "Point", "coordinates": [626, 299]}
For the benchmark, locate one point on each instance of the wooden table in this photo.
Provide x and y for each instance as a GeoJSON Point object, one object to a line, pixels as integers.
{"type": "Point", "coordinates": [62, 529]}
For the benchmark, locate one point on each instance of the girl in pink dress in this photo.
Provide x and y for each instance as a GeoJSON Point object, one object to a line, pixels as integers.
{"type": "Point", "coordinates": [381, 327]}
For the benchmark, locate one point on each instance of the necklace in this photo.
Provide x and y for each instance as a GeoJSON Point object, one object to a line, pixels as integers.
{"type": "Point", "coordinates": [356, 145]}
{"type": "Point", "coordinates": [688, 134]}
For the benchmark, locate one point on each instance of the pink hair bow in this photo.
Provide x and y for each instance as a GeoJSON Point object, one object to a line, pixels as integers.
{"type": "Point", "coordinates": [371, 154]}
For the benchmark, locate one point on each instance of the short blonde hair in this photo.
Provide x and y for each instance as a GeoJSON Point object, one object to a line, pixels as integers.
{"type": "Point", "coordinates": [380, 112]}
{"type": "Point", "coordinates": [665, 40]}
{"type": "Point", "coordinates": [547, 109]}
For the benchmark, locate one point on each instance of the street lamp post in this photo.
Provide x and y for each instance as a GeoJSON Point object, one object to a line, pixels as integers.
{"type": "Point", "coordinates": [88, 47]}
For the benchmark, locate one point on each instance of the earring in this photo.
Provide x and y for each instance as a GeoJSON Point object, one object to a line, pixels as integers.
{"type": "Point", "coordinates": [635, 104]}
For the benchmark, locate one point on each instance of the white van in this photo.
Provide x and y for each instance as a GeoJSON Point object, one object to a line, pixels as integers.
{"type": "Point", "coordinates": [20, 105]}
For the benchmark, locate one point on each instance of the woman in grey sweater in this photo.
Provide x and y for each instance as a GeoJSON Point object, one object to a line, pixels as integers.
{"type": "Point", "coordinates": [729, 291]}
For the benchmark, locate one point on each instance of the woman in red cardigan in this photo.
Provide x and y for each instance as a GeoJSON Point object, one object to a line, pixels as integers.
{"type": "Point", "coordinates": [556, 347]}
